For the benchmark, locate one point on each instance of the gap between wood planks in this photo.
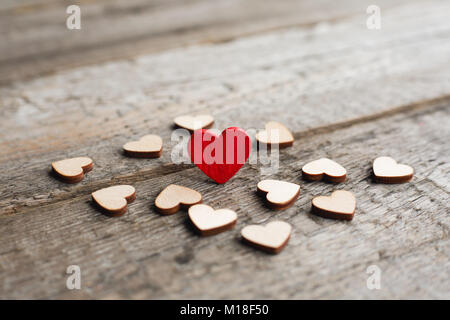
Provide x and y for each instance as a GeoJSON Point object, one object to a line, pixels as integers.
{"type": "Point", "coordinates": [165, 169]}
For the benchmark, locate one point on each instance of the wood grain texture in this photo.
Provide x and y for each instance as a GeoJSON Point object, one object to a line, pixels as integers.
{"type": "Point", "coordinates": [403, 229]}
{"type": "Point", "coordinates": [310, 80]}
{"type": "Point", "coordinates": [346, 93]}
{"type": "Point", "coordinates": [35, 39]}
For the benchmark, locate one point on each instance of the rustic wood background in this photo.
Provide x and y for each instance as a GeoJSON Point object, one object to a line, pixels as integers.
{"type": "Point", "coordinates": [346, 92]}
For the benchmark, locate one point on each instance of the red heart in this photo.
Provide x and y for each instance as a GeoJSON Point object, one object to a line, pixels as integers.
{"type": "Point", "coordinates": [220, 157]}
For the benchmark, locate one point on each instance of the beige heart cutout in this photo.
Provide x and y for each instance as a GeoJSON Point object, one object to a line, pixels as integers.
{"type": "Point", "coordinates": [72, 170]}
{"type": "Point", "coordinates": [279, 194]}
{"type": "Point", "coordinates": [174, 196]}
{"type": "Point", "coordinates": [113, 200]}
{"type": "Point", "coordinates": [340, 205]}
{"type": "Point", "coordinates": [149, 146]}
{"type": "Point", "coordinates": [209, 221]}
{"type": "Point", "coordinates": [275, 134]}
{"type": "Point", "coordinates": [387, 170]}
{"type": "Point", "coordinates": [271, 237]}
{"type": "Point", "coordinates": [324, 167]}
{"type": "Point", "coordinates": [193, 123]}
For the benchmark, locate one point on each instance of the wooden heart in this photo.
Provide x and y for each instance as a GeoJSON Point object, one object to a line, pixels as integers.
{"type": "Point", "coordinates": [340, 205]}
{"type": "Point", "coordinates": [324, 168]}
{"type": "Point", "coordinates": [149, 146]}
{"type": "Point", "coordinates": [209, 221]}
{"type": "Point", "coordinates": [72, 170]}
{"type": "Point", "coordinates": [387, 170]}
{"type": "Point", "coordinates": [174, 196]}
{"type": "Point", "coordinates": [220, 157]}
{"type": "Point", "coordinates": [113, 200]}
{"type": "Point", "coordinates": [275, 134]}
{"type": "Point", "coordinates": [279, 194]}
{"type": "Point", "coordinates": [193, 123]}
{"type": "Point", "coordinates": [272, 237]}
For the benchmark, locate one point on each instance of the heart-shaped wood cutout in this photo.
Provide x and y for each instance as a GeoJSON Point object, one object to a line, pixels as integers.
{"type": "Point", "coordinates": [279, 194]}
{"type": "Point", "coordinates": [271, 238]}
{"type": "Point", "coordinates": [149, 146]}
{"type": "Point", "coordinates": [275, 134]}
{"type": "Point", "coordinates": [193, 123]}
{"type": "Point", "coordinates": [173, 197]}
{"type": "Point", "coordinates": [324, 168]}
{"type": "Point", "coordinates": [209, 221]}
{"type": "Point", "coordinates": [113, 200]}
{"type": "Point", "coordinates": [72, 170]}
{"type": "Point", "coordinates": [387, 170]}
{"type": "Point", "coordinates": [220, 157]}
{"type": "Point", "coordinates": [340, 205]}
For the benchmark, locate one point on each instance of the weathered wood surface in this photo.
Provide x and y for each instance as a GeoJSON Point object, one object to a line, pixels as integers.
{"type": "Point", "coordinates": [403, 229]}
{"type": "Point", "coordinates": [35, 39]}
{"type": "Point", "coordinates": [304, 78]}
{"type": "Point", "coordinates": [346, 92]}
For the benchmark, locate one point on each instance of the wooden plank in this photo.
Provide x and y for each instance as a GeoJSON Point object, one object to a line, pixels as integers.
{"type": "Point", "coordinates": [403, 229]}
{"type": "Point", "coordinates": [35, 39]}
{"type": "Point", "coordinates": [308, 79]}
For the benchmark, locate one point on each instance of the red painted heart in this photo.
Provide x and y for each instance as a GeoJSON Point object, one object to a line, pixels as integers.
{"type": "Point", "coordinates": [220, 157]}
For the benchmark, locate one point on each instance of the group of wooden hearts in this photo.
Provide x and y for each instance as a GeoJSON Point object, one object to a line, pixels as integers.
{"type": "Point", "coordinates": [207, 221]}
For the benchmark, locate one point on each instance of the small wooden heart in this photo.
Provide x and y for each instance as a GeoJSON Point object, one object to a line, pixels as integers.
{"type": "Point", "coordinates": [387, 170]}
{"type": "Point", "coordinates": [340, 205]}
{"type": "Point", "coordinates": [72, 170]}
{"type": "Point", "coordinates": [271, 238]}
{"type": "Point", "coordinates": [193, 123]}
{"type": "Point", "coordinates": [209, 221]}
{"type": "Point", "coordinates": [279, 194]}
{"type": "Point", "coordinates": [113, 200]}
{"type": "Point", "coordinates": [275, 134]}
{"type": "Point", "coordinates": [149, 146]}
{"type": "Point", "coordinates": [324, 168]}
{"type": "Point", "coordinates": [174, 196]}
